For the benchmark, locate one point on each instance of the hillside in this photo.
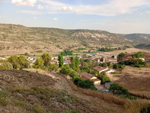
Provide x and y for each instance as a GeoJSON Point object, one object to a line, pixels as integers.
{"type": "Point", "coordinates": [18, 39]}
{"type": "Point", "coordinates": [143, 46]}
{"type": "Point", "coordinates": [30, 92]}
{"type": "Point", "coordinates": [139, 37]}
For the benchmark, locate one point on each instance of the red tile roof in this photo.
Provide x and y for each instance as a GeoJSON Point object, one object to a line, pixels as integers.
{"type": "Point", "coordinates": [98, 68]}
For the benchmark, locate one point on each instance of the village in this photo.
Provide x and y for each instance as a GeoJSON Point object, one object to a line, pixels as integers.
{"type": "Point", "coordinates": [98, 58]}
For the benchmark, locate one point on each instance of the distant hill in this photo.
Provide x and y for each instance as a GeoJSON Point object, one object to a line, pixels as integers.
{"type": "Point", "coordinates": [18, 39]}
{"type": "Point", "coordinates": [139, 37]}
{"type": "Point", "coordinates": [143, 46]}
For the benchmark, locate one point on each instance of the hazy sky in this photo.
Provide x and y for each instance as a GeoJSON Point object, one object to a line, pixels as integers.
{"type": "Point", "coordinates": [119, 16]}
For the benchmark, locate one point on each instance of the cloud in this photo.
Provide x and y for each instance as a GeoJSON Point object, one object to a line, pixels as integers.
{"type": "Point", "coordinates": [112, 8]}
{"type": "Point", "coordinates": [40, 7]}
{"type": "Point", "coordinates": [147, 12]}
{"type": "Point", "coordinates": [31, 12]}
{"type": "Point", "coordinates": [24, 2]}
{"type": "Point", "coordinates": [55, 19]}
{"type": "Point", "coordinates": [35, 18]}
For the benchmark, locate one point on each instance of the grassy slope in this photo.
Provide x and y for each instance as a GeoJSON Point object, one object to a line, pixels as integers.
{"type": "Point", "coordinates": [15, 39]}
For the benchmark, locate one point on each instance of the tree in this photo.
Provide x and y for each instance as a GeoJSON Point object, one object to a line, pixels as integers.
{"type": "Point", "coordinates": [6, 65]}
{"type": "Point", "coordinates": [115, 66]}
{"type": "Point", "coordinates": [139, 55]}
{"type": "Point", "coordinates": [61, 60]}
{"type": "Point", "coordinates": [46, 58]}
{"type": "Point", "coordinates": [53, 67]}
{"type": "Point", "coordinates": [103, 77]}
{"type": "Point", "coordinates": [77, 64]}
{"type": "Point", "coordinates": [116, 89]}
{"type": "Point", "coordinates": [120, 56]}
{"type": "Point", "coordinates": [73, 65]}
{"type": "Point", "coordinates": [38, 63]}
{"type": "Point", "coordinates": [65, 69]}
{"type": "Point", "coordinates": [14, 61]}
{"type": "Point", "coordinates": [18, 62]}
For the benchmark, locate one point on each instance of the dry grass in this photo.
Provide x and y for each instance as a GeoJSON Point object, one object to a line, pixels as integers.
{"type": "Point", "coordinates": [129, 106]}
{"type": "Point", "coordinates": [136, 80]}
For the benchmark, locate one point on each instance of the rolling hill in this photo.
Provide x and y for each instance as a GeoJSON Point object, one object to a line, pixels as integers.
{"type": "Point", "coordinates": [18, 39]}
{"type": "Point", "coordinates": [139, 37]}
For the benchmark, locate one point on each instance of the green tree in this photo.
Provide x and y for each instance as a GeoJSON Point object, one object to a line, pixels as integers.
{"type": "Point", "coordinates": [115, 66]}
{"type": "Point", "coordinates": [46, 58]}
{"type": "Point", "coordinates": [61, 60]}
{"type": "Point", "coordinates": [14, 61]}
{"type": "Point", "coordinates": [53, 67]}
{"type": "Point", "coordinates": [6, 65]}
{"type": "Point", "coordinates": [73, 65]}
{"type": "Point", "coordinates": [39, 63]}
{"type": "Point", "coordinates": [116, 89]}
{"type": "Point", "coordinates": [65, 70]}
{"type": "Point", "coordinates": [103, 77]}
{"type": "Point", "coordinates": [139, 55]}
{"type": "Point", "coordinates": [120, 56]}
{"type": "Point", "coordinates": [77, 64]}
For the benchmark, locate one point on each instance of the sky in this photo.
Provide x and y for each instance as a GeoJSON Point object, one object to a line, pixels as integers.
{"type": "Point", "coordinates": [117, 16]}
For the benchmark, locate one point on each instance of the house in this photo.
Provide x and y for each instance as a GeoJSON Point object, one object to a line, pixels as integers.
{"type": "Point", "coordinates": [67, 62]}
{"type": "Point", "coordinates": [143, 59]}
{"type": "Point", "coordinates": [112, 60]}
{"type": "Point", "coordinates": [100, 69]}
{"type": "Point", "coordinates": [31, 59]}
{"type": "Point", "coordinates": [109, 71]}
{"type": "Point", "coordinates": [98, 60]}
{"type": "Point", "coordinates": [88, 76]}
{"type": "Point", "coordinates": [126, 58]}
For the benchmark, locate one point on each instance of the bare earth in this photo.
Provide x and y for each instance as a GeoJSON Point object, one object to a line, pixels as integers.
{"type": "Point", "coordinates": [101, 105]}
{"type": "Point", "coordinates": [136, 80]}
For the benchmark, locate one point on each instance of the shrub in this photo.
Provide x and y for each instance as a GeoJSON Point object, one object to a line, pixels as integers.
{"type": "Point", "coordinates": [46, 58]}
{"type": "Point", "coordinates": [116, 89]}
{"type": "Point", "coordinates": [38, 63]}
{"type": "Point", "coordinates": [103, 77]}
{"type": "Point", "coordinates": [84, 83]}
{"type": "Point", "coordinates": [18, 62]}
{"type": "Point", "coordinates": [65, 70]}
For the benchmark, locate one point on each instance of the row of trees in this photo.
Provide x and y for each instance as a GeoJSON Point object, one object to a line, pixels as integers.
{"type": "Point", "coordinates": [44, 62]}
{"type": "Point", "coordinates": [66, 69]}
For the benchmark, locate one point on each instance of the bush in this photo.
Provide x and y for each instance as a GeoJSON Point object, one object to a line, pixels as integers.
{"type": "Point", "coordinates": [103, 77]}
{"type": "Point", "coordinates": [53, 67]}
{"type": "Point", "coordinates": [116, 89]}
{"type": "Point", "coordinates": [84, 83]}
{"type": "Point", "coordinates": [74, 75]}
{"type": "Point", "coordinates": [38, 63]}
{"type": "Point", "coordinates": [65, 70]}
{"type": "Point", "coordinates": [18, 62]}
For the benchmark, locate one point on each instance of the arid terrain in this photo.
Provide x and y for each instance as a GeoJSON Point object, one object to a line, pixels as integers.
{"type": "Point", "coordinates": [136, 80]}
{"type": "Point", "coordinates": [18, 39]}
{"type": "Point", "coordinates": [26, 91]}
